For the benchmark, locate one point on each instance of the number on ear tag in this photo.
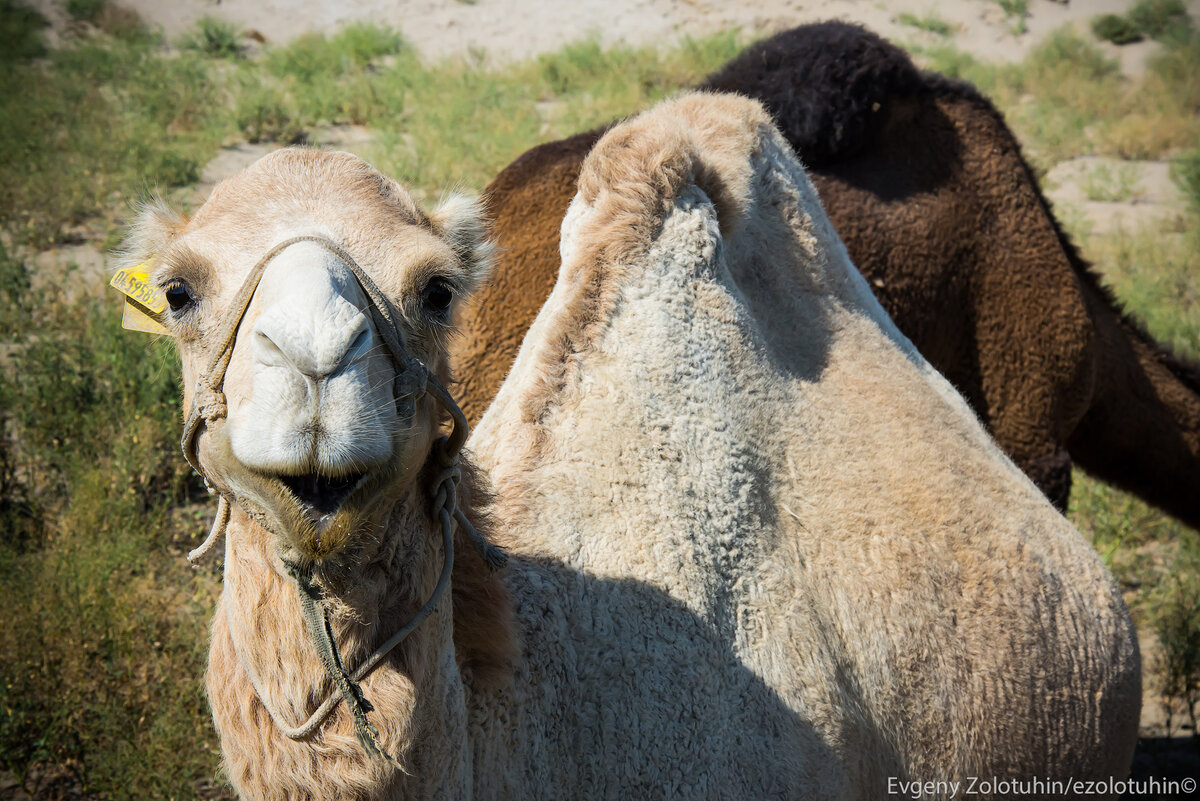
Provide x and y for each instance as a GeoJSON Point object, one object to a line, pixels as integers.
{"type": "Point", "coordinates": [143, 301]}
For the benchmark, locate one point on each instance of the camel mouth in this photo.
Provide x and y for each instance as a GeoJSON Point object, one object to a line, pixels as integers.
{"type": "Point", "coordinates": [321, 496]}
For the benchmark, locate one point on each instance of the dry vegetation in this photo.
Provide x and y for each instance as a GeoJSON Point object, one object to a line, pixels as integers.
{"type": "Point", "coordinates": [103, 647]}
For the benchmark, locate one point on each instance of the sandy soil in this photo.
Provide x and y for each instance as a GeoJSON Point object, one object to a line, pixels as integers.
{"type": "Point", "coordinates": [509, 29]}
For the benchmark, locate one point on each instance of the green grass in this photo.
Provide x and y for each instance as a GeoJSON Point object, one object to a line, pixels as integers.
{"type": "Point", "coordinates": [86, 9]}
{"type": "Point", "coordinates": [930, 22]}
{"type": "Point", "coordinates": [1165, 20]}
{"type": "Point", "coordinates": [104, 641]}
{"type": "Point", "coordinates": [107, 118]}
{"type": "Point", "coordinates": [1186, 173]}
{"type": "Point", "coordinates": [1068, 99]}
{"type": "Point", "coordinates": [1157, 18]}
{"type": "Point", "coordinates": [213, 37]}
{"type": "Point", "coordinates": [1111, 183]}
{"type": "Point", "coordinates": [104, 629]}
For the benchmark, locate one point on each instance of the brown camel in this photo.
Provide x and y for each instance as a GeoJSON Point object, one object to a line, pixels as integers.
{"type": "Point", "coordinates": [929, 192]}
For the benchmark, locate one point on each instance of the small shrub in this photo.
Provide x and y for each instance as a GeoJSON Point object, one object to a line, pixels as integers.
{"type": "Point", "coordinates": [1186, 173]}
{"type": "Point", "coordinates": [1155, 18]}
{"type": "Point", "coordinates": [123, 23]}
{"type": "Point", "coordinates": [360, 44]}
{"type": "Point", "coordinates": [213, 37]}
{"type": "Point", "coordinates": [20, 32]}
{"type": "Point", "coordinates": [1017, 10]}
{"type": "Point", "coordinates": [1116, 29]}
{"type": "Point", "coordinates": [263, 115]}
{"type": "Point", "coordinates": [312, 57]}
{"type": "Point", "coordinates": [86, 10]}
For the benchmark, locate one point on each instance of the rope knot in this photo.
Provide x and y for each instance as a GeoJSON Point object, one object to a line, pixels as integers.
{"type": "Point", "coordinates": [445, 492]}
{"type": "Point", "coordinates": [445, 501]}
{"type": "Point", "coordinates": [210, 404]}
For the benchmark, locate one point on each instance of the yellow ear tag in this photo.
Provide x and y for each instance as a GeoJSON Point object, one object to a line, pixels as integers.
{"type": "Point", "coordinates": [143, 301]}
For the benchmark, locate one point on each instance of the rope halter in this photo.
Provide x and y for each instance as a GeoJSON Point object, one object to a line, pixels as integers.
{"type": "Point", "coordinates": [413, 380]}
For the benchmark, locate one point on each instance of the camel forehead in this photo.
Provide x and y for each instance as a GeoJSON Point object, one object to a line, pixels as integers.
{"type": "Point", "coordinates": [297, 191]}
{"type": "Point", "coordinates": [302, 184]}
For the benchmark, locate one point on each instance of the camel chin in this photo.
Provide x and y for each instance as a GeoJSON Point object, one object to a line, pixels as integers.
{"type": "Point", "coordinates": [314, 516]}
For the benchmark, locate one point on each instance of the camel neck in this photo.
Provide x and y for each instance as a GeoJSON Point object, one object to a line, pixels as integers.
{"type": "Point", "coordinates": [261, 652]}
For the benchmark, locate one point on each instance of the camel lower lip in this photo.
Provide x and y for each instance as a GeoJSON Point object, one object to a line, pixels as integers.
{"type": "Point", "coordinates": [322, 496]}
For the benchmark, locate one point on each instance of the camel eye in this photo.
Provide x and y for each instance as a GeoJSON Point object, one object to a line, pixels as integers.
{"type": "Point", "coordinates": [437, 296]}
{"type": "Point", "coordinates": [179, 296]}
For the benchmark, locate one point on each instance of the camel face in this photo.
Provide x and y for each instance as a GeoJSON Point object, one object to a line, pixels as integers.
{"type": "Point", "coordinates": [319, 420]}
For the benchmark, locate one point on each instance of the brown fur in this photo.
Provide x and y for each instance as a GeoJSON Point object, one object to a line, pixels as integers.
{"type": "Point", "coordinates": [928, 189]}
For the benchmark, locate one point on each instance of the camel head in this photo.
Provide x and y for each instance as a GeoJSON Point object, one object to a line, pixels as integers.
{"type": "Point", "coordinates": [320, 418]}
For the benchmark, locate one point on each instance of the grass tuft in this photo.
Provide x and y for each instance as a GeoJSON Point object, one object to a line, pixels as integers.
{"type": "Point", "coordinates": [1115, 28]}
{"type": "Point", "coordinates": [213, 37]}
{"type": "Point", "coordinates": [1186, 173]}
{"type": "Point", "coordinates": [931, 22]}
{"type": "Point", "coordinates": [1158, 18]}
{"type": "Point", "coordinates": [86, 10]}
{"type": "Point", "coordinates": [1018, 11]}
{"type": "Point", "coordinates": [1165, 20]}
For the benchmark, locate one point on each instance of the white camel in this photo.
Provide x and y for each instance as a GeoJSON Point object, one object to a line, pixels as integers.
{"type": "Point", "coordinates": [759, 548]}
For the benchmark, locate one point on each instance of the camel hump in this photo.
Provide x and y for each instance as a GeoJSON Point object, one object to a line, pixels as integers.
{"type": "Point", "coordinates": [641, 166]}
{"type": "Point", "coordinates": [826, 84]}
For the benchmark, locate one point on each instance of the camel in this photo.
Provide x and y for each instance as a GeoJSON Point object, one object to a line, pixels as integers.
{"type": "Point", "coordinates": [929, 191]}
{"type": "Point", "coordinates": [758, 547]}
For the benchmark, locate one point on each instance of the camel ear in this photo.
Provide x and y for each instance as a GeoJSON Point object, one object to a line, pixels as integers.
{"type": "Point", "coordinates": [154, 225]}
{"type": "Point", "coordinates": [459, 219]}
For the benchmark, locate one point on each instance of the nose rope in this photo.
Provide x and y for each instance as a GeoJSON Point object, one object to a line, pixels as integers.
{"type": "Point", "coordinates": [413, 380]}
